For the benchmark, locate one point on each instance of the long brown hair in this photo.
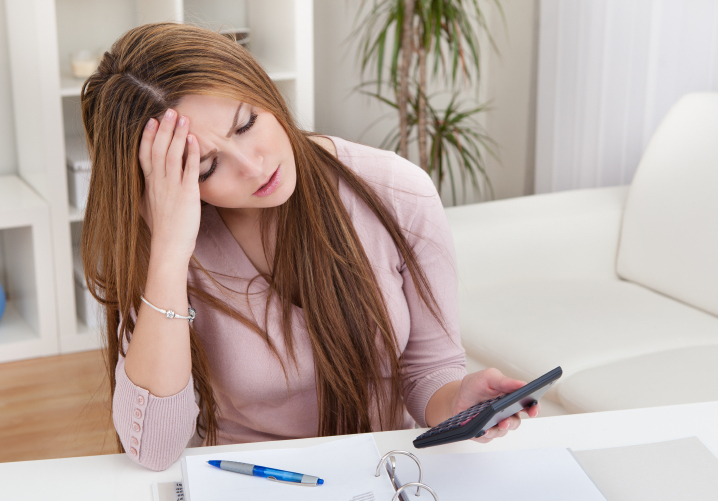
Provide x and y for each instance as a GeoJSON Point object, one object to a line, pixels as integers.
{"type": "Point", "coordinates": [319, 261]}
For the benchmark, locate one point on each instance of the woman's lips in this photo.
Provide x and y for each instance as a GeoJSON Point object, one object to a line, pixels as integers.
{"type": "Point", "coordinates": [270, 186]}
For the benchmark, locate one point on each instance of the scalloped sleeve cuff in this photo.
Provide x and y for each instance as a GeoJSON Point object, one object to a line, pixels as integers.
{"type": "Point", "coordinates": [153, 430]}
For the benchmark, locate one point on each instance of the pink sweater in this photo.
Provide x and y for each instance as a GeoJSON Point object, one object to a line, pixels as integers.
{"type": "Point", "coordinates": [254, 401]}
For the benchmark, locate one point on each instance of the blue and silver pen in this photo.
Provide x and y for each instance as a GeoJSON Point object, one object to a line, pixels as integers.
{"type": "Point", "coordinates": [270, 473]}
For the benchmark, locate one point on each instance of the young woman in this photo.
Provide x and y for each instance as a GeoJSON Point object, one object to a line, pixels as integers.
{"type": "Point", "coordinates": [317, 274]}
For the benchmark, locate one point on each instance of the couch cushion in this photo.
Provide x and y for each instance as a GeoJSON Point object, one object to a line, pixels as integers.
{"type": "Point", "coordinates": [669, 236]}
{"type": "Point", "coordinates": [526, 329]}
{"type": "Point", "coordinates": [570, 234]}
{"type": "Point", "coordinates": [680, 376]}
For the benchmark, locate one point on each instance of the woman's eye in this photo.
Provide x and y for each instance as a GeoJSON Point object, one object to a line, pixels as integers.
{"type": "Point", "coordinates": [241, 130]}
{"type": "Point", "coordinates": [203, 177]}
{"type": "Point", "coordinates": [250, 123]}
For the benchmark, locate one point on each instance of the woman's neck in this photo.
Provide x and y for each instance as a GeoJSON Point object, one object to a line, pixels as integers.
{"type": "Point", "coordinates": [240, 216]}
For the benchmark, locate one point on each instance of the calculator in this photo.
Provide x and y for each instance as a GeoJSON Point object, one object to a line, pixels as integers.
{"type": "Point", "coordinates": [474, 421]}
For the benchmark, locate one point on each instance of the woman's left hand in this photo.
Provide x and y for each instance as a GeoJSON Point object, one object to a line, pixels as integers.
{"type": "Point", "coordinates": [486, 384]}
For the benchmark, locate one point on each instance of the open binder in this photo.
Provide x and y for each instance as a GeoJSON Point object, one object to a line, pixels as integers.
{"type": "Point", "coordinates": [353, 469]}
{"type": "Point", "coordinates": [347, 466]}
{"type": "Point", "coordinates": [389, 461]}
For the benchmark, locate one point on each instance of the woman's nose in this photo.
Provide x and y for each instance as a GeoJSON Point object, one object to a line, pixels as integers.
{"type": "Point", "coordinates": [249, 163]}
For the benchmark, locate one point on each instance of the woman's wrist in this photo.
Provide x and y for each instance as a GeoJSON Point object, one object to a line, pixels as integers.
{"type": "Point", "coordinates": [442, 404]}
{"type": "Point", "coordinates": [164, 256]}
{"type": "Point", "coordinates": [166, 285]}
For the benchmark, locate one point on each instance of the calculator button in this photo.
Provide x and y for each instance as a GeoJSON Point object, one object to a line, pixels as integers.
{"type": "Point", "coordinates": [469, 419]}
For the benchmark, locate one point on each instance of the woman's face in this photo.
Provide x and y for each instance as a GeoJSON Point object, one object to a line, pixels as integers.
{"type": "Point", "coordinates": [246, 159]}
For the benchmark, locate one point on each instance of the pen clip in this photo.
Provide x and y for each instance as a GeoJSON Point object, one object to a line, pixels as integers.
{"type": "Point", "coordinates": [292, 483]}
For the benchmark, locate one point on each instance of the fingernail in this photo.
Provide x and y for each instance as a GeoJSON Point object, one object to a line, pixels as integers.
{"type": "Point", "coordinates": [182, 121]}
{"type": "Point", "coordinates": [190, 139]}
{"type": "Point", "coordinates": [169, 114]}
{"type": "Point", "coordinates": [150, 123]}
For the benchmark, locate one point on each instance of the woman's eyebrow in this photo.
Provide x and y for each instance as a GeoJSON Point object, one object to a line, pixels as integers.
{"type": "Point", "coordinates": [229, 134]}
{"type": "Point", "coordinates": [207, 155]}
{"type": "Point", "coordinates": [234, 123]}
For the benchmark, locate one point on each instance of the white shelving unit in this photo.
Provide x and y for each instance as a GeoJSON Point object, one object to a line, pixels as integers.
{"type": "Point", "coordinates": [38, 226]}
{"type": "Point", "coordinates": [27, 328]}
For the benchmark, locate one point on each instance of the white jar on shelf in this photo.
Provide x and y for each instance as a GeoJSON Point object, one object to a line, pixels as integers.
{"type": "Point", "coordinates": [83, 63]}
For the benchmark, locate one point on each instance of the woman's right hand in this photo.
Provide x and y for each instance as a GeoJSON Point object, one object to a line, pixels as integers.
{"type": "Point", "coordinates": [171, 202]}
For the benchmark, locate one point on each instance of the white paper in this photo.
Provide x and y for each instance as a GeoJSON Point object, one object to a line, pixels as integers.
{"type": "Point", "coordinates": [347, 467]}
{"type": "Point", "coordinates": [550, 474]}
{"type": "Point", "coordinates": [662, 471]}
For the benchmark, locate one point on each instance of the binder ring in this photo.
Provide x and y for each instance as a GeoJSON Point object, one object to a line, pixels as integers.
{"type": "Point", "coordinates": [418, 485]}
{"type": "Point", "coordinates": [393, 464]}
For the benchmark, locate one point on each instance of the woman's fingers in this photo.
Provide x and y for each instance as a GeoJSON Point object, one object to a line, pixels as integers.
{"type": "Point", "coordinates": [491, 434]}
{"type": "Point", "coordinates": [148, 139]}
{"type": "Point", "coordinates": [489, 383]}
{"type": "Point", "coordinates": [534, 410]}
{"type": "Point", "coordinates": [190, 175]}
{"type": "Point", "coordinates": [510, 423]}
{"type": "Point", "coordinates": [500, 383]}
{"type": "Point", "coordinates": [500, 430]}
{"type": "Point", "coordinates": [175, 152]}
{"type": "Point", "coordinates": [165, 132]}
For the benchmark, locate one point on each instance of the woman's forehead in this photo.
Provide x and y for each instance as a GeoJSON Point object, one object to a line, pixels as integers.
{"type": "Point", "coordinates": [212, 113]}
{"type": "Point", "coordinates": [196, 104]}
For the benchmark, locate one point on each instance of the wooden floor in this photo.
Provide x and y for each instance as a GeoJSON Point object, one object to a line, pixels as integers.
{"type": "Point", "coordinates": [55, 407]}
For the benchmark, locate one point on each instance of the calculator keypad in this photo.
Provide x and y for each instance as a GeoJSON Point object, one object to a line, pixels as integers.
{"type": "Point", "coordinates": [459, 419]}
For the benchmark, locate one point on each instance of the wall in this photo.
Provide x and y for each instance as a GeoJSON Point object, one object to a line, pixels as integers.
{"type": "Point", "coordinates": [609, 72]}
{"type": "Point", "coordinates": [508, 82]}
{"type": "Point", "coordinates": [511, 86]}
{"type": "Point", "coordinates": [8, 157]}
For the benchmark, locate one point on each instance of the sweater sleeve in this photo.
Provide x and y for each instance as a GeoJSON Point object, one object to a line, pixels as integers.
{"type": "Point", "coordinates": [433, 357]}
{"type": "Point", "coordinates": [153, 430]}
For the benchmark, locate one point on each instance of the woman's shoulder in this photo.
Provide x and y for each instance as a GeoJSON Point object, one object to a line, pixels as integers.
{"type": "Point", "coordinates": [405, 188]}
{"type": "Point", "coordinates": [384, 169]}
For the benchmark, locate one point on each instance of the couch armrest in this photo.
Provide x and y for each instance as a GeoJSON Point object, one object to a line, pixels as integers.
{"type": "Point", "coordinates": [570, 234]}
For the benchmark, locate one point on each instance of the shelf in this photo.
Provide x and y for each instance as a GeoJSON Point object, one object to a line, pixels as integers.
{"type": "Point", "coordinates": [76, 215]}
{"type": "Point", "coordinates": [84, 330]}
{"type": "Point", "coordinates": [87, 338]}
{"type": "Point", "coordinates": [18, 340]}
{"type": "Point", "coordinates": [70, 87]}
{"type": "Point", "coordinates": [19, 204]}
{"type": "Point", "coordinates": [15, 194]}
{"type": "Point", "coordinates": [282, 76]}
{"type": "Point", "coordinates": [13, 328]}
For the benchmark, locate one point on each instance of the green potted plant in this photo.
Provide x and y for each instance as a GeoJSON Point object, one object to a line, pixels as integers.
{"type": "Point", "coordinates": [423, 42]}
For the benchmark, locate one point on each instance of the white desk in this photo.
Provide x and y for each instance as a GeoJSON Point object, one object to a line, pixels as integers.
{"type": "Point", "coordinates": [115, 477]}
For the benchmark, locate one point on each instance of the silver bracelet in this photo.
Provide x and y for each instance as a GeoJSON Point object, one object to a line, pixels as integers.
{"type": "Point", "coordinates": [170, 313]}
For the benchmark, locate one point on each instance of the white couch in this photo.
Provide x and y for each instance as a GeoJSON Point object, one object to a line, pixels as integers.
{"type": "Point", "coordinates": [619, 286]}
